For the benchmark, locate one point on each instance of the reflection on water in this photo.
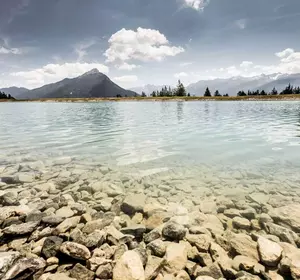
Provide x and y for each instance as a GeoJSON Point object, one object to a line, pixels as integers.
{"type": "Point", "coordinates": [144, 135]}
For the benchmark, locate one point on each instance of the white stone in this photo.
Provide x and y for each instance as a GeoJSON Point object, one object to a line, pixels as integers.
{"type": "Point", "coordinates": [129, 267]}
{"type": "Point", "coordinates": [269, 251]}
{"type": "Point", "coordinates": [176, 257]}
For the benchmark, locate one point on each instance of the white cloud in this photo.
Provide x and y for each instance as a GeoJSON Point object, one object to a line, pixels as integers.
{"type": "Point", "coordinates": [180, 75]}
{"type": "Point", "coordinates": [285, 53]}
{"type": "Point", "coordinates": [4, 50]}
{"type": "Point", "coordinates": [143, 45]}
{"type": "Point", "coordinates": [51, 73]}
{"type": "Point", "coordinates": [127, 67]}
{"type": "Point", "coordinates": [241, 23]}
{"type": "Point", "coordinates": [81, 48]}
{"type": "Point", "coordinates": [246, 64]}
{"type": "Point", "coordinates": [198, 5]}
{"type": "Point", "coordinates": [126, 79]}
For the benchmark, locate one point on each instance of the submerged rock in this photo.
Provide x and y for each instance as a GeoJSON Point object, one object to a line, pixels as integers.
{"type": "Point", "coordinates": [173, 231]}
{"type": "Point", "coordinates": [289, 215]}
{"type": "Point", "coordinates": [75, 250]}
{"type": "Point", "coordinates": [269, 252]}
{"type": "Point", "coordinates": [6, 260]}
{"type": "Point", "coordinates": [129, 267]}
{"type": "Point", "coordinates": [20, 229]}
{"type": "Point", "coordinates": [133, 203]}
{"type": "Point", "coordinates": [23, 268]}
{"type": "Point", "coordinates": [81, 272]}
{"type": "Point", "coordinates": [51, 246]}
{"type": "Point", "coordinates": [176, 257]}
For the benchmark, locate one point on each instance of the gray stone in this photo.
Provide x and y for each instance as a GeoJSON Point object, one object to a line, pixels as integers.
{"type": "Point", "coordinates": [6, 261]}
{"type": "Point", "coordinates": [133, 203]}
{"type": "Point", "coordinates": [75, 250]}
{"type": "Point", "coordinates": [105, 271]}
{"type": "Point", "coordinates": [94, 225]}
{"type": "Point", "coordinates": [244, 263]}
{"type": "Point", "coordinates": [212, 270]}
{"type": "Point", "coordinates": [81, 272]}
{"type": "Point", "coordinates": [264, 218]}
{"type": "Point", "coordinates": [129, 267]}
{"type": "Point", "coordinates": [157, 247]}
{"type": "Point", "coordinates": [95, 261]}
{"type": "Point", "coordinates": [153, 267]}
{"type": "Point", "coordinates": [201, 241]}
{"type": "Point", "coordinates": [10, 198]}
{"type": "Point", "coordinates": [95, 239]}
{"type": "Point", "coordinates": [51, 246]}
{"type": "Point", "coordinates": [231, 213]}
{"type": "Point", "coordinates": [285, 234]}
{"type": "Point", "coordinates": [135, 230]}
{"type": "Point", "coordinates": [242, 244]}
{"type": "Point", "coordinates": [24, 268]}
{"type": "Point", "coordinates": [269, 252]}
{"type": "Point", "coordinates": [25, 178]}
{"type": "Point", "coordinates": [66, 225]}
{"type": "Point", "coordinates": [241, 223]}
{"type": "Point", "coordinates": [20, 229]}
{"type": "Point", "coordinates": [288, 215]}
{"type": "Point", "coordinates": [248, 213]}
{"type": "Point", "coordinates": [52, 220]}
{"type": "Point", "coordinates": [173, 231]}
{"type": "Point", "coordinates": [64, 212]}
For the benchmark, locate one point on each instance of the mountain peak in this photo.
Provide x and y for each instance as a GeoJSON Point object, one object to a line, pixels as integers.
{"type": "Point", "coordinates": [91, 72]}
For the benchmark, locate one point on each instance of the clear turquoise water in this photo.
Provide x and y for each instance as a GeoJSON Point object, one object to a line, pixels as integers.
{"type": "Point", "coordinates": [261, 137]}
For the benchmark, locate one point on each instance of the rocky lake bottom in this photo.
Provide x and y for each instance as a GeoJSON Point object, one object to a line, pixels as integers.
{"type": "Point", "coordinates": [65, 219]}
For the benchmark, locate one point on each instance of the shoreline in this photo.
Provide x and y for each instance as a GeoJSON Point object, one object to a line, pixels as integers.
{"type": "Point", "coordinates": [294, 97]}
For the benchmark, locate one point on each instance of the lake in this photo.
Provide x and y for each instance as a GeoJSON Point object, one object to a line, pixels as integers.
{"type": "Point", "coordinates": [236, 146]}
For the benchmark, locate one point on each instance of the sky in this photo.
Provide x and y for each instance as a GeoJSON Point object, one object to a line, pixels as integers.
{"type": "Point", "coordinates": [139, 42]}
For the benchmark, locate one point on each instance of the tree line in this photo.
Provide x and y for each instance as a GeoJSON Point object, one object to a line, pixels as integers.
{"type": "Point", "coordinates": [180, 91]}
{"type": "Point", "coordinates": [5, 96]}
{"type": "Point", "coordinates": [287, 90]}
{"type": "Point", "coordinates": [168, 92]}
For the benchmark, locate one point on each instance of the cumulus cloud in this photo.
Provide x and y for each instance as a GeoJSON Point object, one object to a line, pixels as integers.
{"type": "Point", "coordinates": [143, 45]}
{"type": "Point", "coordinates": [198, 5]}
{"type": "Point", "coordinates": [127, 67]}
{"type": "Point", "coordinates": [288, 62]}
{"type": "Point", "coordinates": [54, 72]}
{"type": "Point", "coordinates": [285, 53]}
{"type": "Point", "coordinates": [246, 64]}
{"type": "Point", "coordinates": [180, 75]}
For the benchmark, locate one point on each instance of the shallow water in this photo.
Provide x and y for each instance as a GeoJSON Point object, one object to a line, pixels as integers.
{"type": "Point", "coordinates": [223, 140]}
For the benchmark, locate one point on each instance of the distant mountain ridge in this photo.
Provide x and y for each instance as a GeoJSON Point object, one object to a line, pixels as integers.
{"type": "Point", "coordinates": [14, 91]}
{"type": "Point", "coordinates": [235, 84]}
{"type": "Point", "coordinates": [90, 84]}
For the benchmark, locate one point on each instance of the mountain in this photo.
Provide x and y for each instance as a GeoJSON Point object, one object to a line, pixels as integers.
{"type": "Point", "coordinates": [233, 85]}
{"type": "Point", "coordinates": [14, 91]}
{"type": "Point", "coordinates": [90, 84]}
{"type": "Point", "coordinates": [148, 89]}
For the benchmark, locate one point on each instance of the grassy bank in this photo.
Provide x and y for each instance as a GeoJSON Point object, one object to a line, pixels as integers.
{"type": "Point", "coordinates": [191, 98]}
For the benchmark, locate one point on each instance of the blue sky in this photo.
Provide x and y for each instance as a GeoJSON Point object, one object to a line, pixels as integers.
{"type": "Point", "coordinates": [138, 42]}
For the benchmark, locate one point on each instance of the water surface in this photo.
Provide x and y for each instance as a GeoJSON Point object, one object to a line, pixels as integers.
{"type": "Point", "coordinates": [258, 139]}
